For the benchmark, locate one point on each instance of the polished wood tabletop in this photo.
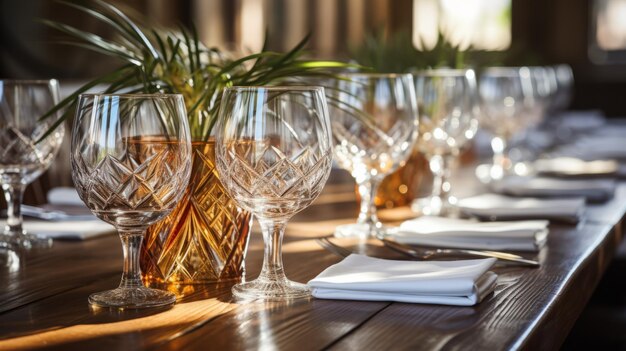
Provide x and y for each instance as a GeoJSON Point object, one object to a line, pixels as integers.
{"type": "Point", "coordinates": [43, 296]}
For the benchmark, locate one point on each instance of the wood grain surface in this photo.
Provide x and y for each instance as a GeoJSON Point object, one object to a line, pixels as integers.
{"type": "Point", "coordinates": [43, 297]}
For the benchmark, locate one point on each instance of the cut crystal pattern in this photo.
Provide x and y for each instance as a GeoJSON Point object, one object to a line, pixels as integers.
{"type": "Point", "coordinates": [205, 237]}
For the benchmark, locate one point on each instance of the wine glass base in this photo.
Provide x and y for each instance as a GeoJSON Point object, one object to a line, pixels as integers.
{"type": "Point", "coordinates": [435, 206]}
{"type": "Point", "coordinates": [269, 290]}
{"type": "Point", "coordinates": [24, 241]}
{"type": "Point", "coordinates": [139, 297]}
{"type": "Point", "coordinates": [359, 230]}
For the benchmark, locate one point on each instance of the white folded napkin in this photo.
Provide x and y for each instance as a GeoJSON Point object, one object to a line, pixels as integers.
{"type": "Point", "coordinates": [358, 277]}
{"type": "Point", "coordinates": [599, 147]}
{"type": "Point", "coordinates": [575, 167]}
{"type": "Point", "coordinates": [70, 230]}
{"type": "Point", "coordinates": [595, 190]}
{"type": "Point", "coordinates": [64, 196]}
{"type": "Point", "coordinates": [76, 222]}
{"type": "Point", "coordinates": [583, 120]}
{"type": "Point", "coordinates": [494, 206]}
{"type": "Point", "coordinates": [468, 234]}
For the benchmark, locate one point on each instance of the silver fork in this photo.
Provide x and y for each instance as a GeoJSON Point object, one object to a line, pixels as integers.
{"type": "Point", "coordinates": [332, 247]}
{"type": "Point", "coordinates": [425, 254]}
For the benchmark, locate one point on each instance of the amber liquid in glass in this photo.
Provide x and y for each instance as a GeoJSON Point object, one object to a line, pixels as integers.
{"type": "Point", "coordinates": [205, 238]}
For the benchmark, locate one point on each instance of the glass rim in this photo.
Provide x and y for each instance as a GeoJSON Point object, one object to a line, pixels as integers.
{"type": "Point", "coordinates": [504, 71]}
{"type": "Point", "coordinates": [503, 68]}
{"type": "Point", "coordinates": [276, 87]}
{"type": "Point", "coordinates": [373, 74]}
{"type": "Point", "coordinates": [30, 81]}
{"type": "Point", "coordinates": [447, 72]}
{"type": "Point", "coordinates": [130, 95]}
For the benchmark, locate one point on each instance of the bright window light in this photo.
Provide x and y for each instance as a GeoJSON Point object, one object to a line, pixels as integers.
{"type": "Point", "coordinates": [481, 24]}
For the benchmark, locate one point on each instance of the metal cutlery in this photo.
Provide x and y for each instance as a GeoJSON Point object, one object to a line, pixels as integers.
{"type": "Point", "coordinates": [53, 215]}
{"type": "Point", "coordinates": [425, 254]}
{"type": "Point", "coordinates": [332, 247]}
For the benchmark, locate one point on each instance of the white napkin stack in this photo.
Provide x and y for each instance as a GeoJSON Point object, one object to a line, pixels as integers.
{"type": "Point", "coordinates": [598, 147]}
{"type": "Point", "coordinates": [583, 120]}
{"type": "Point", "coordinates": [467, 234]}
{"type": "Point", "coordinates": [64, 196]}
{"type": "Point", "coordinates": [358, 277]}
{"type": "Point", "coordinates": [575, 167]}
{"type": "Point", "coordinates": [594, 190]}
{"type": "Point", "coordinates": [73, 227]}
{"type": "Point", "coordinates": [494, 207]}
{"type": "Point", "coordinates": [68, 230]}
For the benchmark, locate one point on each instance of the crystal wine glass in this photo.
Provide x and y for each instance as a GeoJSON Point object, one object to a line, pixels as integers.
{"type": "Point", "coordinates": [374, 125]}
{"type": "Point", "coordinates": [274, 156]}
{"type": "Point", "coordinates": [131, 161]}
{"type": "Point", "coordinates": [565, 86]}
{"type": "Point", "coordinates": [23, 156]}
{"type": "Point", "coordinates": [544, 84]}
{"type": "Point", "coordinates": [446, 101]}
{"type": "Point", "coordinates": [506, 94]}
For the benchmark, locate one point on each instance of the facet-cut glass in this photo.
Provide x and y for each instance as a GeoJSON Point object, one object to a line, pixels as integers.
{"type": "Point", "coordinates": [131, 161]}
{"type": "Point", "coordinates": [374, 125]}
{"type": "Point", "coordinates": [274, 156]}
{"type": "Point", "coordinates": [23, 156]}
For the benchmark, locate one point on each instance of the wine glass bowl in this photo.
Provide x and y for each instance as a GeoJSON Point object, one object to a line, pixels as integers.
{"type": "Point", "coordinates": [26, 151]}
{"type": "Point", "coordinates": [374, 126]}
{"type": "Point", "coordinates": [506, 106]}
{"type": "Point", "coordinates": [274, 156]}
{"type": "Point", "coordinates": [131, 160]}
{"type": "Point", "coordinates": [447, 120]}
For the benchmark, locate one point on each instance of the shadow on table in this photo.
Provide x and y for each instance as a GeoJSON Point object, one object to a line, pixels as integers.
{"type": "Point", "coordinates": [602, 324]}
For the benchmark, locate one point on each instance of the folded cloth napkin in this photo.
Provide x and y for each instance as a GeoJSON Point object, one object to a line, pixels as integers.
{"type": "Point", "coordinates": [575, 167]}
{"type": "Point", "coordinates": [64, 196]}
{"type": "Point", "coordinates": [594, 190]}
{"type": "Point", "coordinates": [494, 206]}
{"type": "Point", "coordinates": [73, 221]}
{"type": "Point", "coordinates": [358, 277]}
{"type": "Point", "coordinates": [461, 233]}
{"type": "Point", "coordinates": [68, 230]}
{"type": "Point", "coordinates": [584, 120]}
{"type": "Point", "coordinates": [598, 147]}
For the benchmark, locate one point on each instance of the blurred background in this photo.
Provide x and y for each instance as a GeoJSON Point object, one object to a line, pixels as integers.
{"type": "Point", "coordinates": [590, 35]}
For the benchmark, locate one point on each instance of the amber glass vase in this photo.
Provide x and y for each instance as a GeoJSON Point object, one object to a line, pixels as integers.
{"type": "Point", "coordinates": [401, 187]}
{"type": "Point", "coordinates": [204, 239]}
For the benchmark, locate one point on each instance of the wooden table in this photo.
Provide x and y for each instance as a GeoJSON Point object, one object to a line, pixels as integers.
{"type": "Point", "coordinates": [43, 299]}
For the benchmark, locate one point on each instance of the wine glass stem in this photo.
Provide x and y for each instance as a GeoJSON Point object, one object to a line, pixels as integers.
{"type": "Point", "coordinates": [367, 191]}
{"type": "Point", "coordinates": [131, 241]}
{"type": "Point", "coordinates": [13, 193]}
{"type": "Point", "coordinates": [500, 153]}
{"type": "Point", "coordinates": [273, 232]}
{"type": "Point", "coordinates": [440, 167]}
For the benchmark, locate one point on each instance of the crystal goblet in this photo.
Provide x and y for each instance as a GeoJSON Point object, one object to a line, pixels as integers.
{"type": "Point", "coordinates": [447, 117]}
{"type": "Point", "coordinates": [274, 156]}
{"type": "Point", "coordinates": [374, 125]}
{"type": "Point", "coordinates": [131, 161]}
{"type": "Point", "coordinates": [24, 151]}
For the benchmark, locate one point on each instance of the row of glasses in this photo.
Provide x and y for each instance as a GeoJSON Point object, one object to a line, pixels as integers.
{"type": "Point", "coordinates": [515, 100]}
{"type": "Point", "coordinates": [374, 128]}
{"type": "Point", "coordinates": [131, 155]}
